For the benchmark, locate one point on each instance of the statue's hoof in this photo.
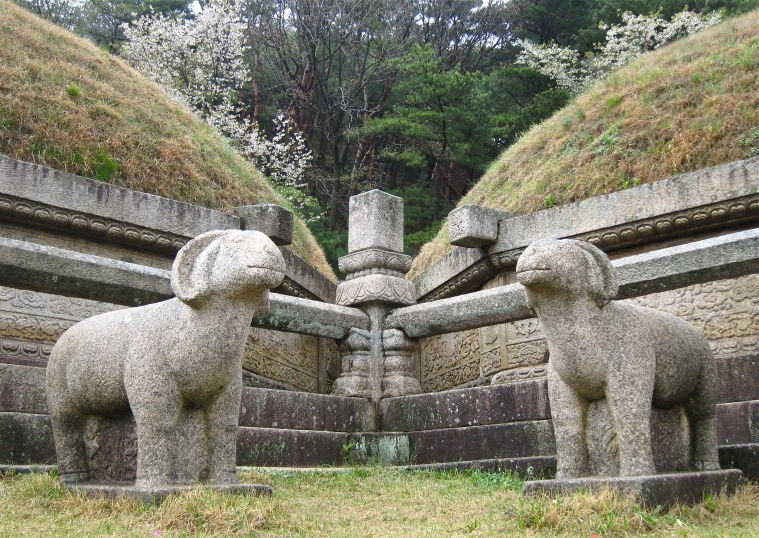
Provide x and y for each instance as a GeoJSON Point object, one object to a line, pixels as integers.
{"type": "Point", "coordinates": [708, 465]}
{"type": "Point", "coordinates": [73, 478]}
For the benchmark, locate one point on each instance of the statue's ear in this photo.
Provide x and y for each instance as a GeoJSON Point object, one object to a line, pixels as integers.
{"type": "Point", "coordinates": [186, 270]}
{"type": "Point", "coordinates": [606, 289]}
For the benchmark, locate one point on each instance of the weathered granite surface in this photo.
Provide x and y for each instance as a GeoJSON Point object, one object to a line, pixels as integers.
{"type": "Point", "coordinates": [651, 491]}
{"type": "Point", "coordinates": [63, 201]}
{"type": "Point", "coordinates": [274, 221]}
{"type": "Point", "coordinates": [475, 226]}
{"type": "Point", "coordinates": [629, 356]}
{"type": "Point", "coordinates": [679, 205]}
{"type": "Point", "coordinates": [176, 365]}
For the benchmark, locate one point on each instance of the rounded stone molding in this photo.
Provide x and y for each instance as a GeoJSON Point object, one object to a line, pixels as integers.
{"type": "Point", "coordinates": [376, 288]}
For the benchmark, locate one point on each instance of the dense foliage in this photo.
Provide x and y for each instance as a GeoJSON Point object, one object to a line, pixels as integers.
{"type": "Point", "coordinates": [413, 96]}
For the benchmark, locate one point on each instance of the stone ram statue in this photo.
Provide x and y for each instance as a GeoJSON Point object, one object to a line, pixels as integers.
{"type": "Point", "coordinates": [163, 359]}
{"type": "Point", "coordinates": [632, 357]}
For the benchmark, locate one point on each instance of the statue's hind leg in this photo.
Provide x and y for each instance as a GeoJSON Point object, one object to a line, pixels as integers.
{"type": "Point", "coordinates": [68, 432]}
{"type": "Point", "coordinates": [702, 410]}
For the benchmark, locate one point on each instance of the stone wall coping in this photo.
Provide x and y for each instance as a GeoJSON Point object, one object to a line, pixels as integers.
{"type": "Point", "coordinates": [66, 191]}
{"type": "Point", "coordinates": [679, 193]}
{"type": "Point", "coordinates": [452, 266]}
{"type": "Point", "coordinates": [316, 285]}
{"type": "Point", "coordinates": [675, 206]}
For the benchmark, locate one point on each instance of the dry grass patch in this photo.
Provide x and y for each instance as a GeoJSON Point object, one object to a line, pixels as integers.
{"type": "Point", "coordinates": [68, 105]}
{"type": "Point", "coordinates": [371, 501]}
{"type": "Point", "coordinates": [688, 106]}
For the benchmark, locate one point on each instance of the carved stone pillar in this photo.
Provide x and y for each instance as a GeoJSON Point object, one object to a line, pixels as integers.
{"type": "Point", "coordinates": [374, 281]}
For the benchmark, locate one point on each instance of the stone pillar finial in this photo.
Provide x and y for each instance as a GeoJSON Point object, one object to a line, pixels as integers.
{"type": "Point", "coordinates": [375, 265]}
{"type": "Point", "coordinates": [375, 270]}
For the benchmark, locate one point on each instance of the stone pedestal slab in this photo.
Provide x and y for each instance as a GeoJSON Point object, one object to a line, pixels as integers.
{"type": "Point", "coordinates": [651, 491]}
{"type": "Point", "coordinates": [147, 495]}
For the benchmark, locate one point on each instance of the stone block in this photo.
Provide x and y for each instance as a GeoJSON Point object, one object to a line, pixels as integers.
{"type": "Point", "coordinates": [475, 226]}
{"type": "Point", "coordinates": [458, 268]}
{"type": "Point", "coordinates": [527, 468]}
{"type": "Point", "coordinates": [22, 389]}
{"type": "Point", "coordinates": [156, 495]}
{"type": "Point", "coordinates": [273, 220]}
{"type": "Point", "coordinates": [265, 408]}
{"type": "Point", "coordinates": [514, 440]}
{"type": "Point", "coordinates": [312, 284]}
{"type": "Point", "coordinates": [266, 447]}
{"type": "Point", "coordinates": [738, 423]}
{"type": "Point", "coordinates": [743, 457]}
{"type": "Point", "coordinates": [738, 378]}
{"type": "Point", "coordinates": [26, 439]}
{"type": "Point", "coordinates": [685, 194]}
{"type": "Point", "coordinates": [81, 198]}
{"type": "Point", "coordinates": [651, 491]}
{"type": "Point", "coordinates": [527, 400]}
{"type": "Point", "coordinates": [375, 220]}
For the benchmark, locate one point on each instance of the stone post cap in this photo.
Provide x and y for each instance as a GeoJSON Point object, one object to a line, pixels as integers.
{"type": "Point", "coordinates": [271, 219]}
{"type": "Point", "coordinates": [474, 225]}
{"type": "Point", "coordinates": [375, 220]}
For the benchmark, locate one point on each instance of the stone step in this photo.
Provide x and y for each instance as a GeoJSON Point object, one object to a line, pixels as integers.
{"type": "Point", "coordinates": [738, 379]}
{"type": "Point", "coordinates": [738, 423]}
{"type": "Point", "coordinates": [744, 457]}
{"type": "Point", "coordinates": [25, 439]}
{"type": "Point", "coordinates": [289, 410]}
{"type": "Point", "coordinates": [528, 468]}
{"type": "Point", "coordinates": [22, 390]}
{"type": "Point", "coordinates": [492, 404]}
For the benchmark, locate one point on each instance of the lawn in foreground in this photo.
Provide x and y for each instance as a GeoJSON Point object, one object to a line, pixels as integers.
{"type": "Point", "coordinates": [359, 502]}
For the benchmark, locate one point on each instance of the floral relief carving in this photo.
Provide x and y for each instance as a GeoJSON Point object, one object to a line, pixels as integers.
{"type": "Point", "coordinates": [289, 358]}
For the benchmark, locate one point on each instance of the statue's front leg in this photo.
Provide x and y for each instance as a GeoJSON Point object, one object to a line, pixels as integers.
{"type": "Point", "coordinates": [568, 410]}
{"type": "Point", "coordinates": [221, 433]}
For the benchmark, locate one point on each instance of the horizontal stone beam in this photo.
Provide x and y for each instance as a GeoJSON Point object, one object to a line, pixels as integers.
{"type": "Point", "coordinates": [35, 267]}
{"type": "Point", "coordinates": [303, 316]}
{"type": "Point", "coordinates": [59, 271]}
{"type": "Point", "coordinates": [727, 256]}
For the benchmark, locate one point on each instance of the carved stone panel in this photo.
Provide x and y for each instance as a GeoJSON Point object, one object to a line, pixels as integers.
{"type": "Point", "coordinates": [726, 312]}
{"type": "Point", "coordinates": [292, 359]}
{"type": "Point", "coordinates": [31, 322]}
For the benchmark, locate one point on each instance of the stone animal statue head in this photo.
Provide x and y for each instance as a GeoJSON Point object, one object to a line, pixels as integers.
{"type": "Point", "coordinates": [228, 262]}
{"type": "Point", "coordinates": [175, 366]}
{"type": "Point", "coordinates": [567, 266]}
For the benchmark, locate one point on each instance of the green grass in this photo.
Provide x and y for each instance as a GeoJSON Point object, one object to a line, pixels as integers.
{"type": "Point", "coordinates": [687, 106]}
{"type": "Point", "coordinates": [365, 501]}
